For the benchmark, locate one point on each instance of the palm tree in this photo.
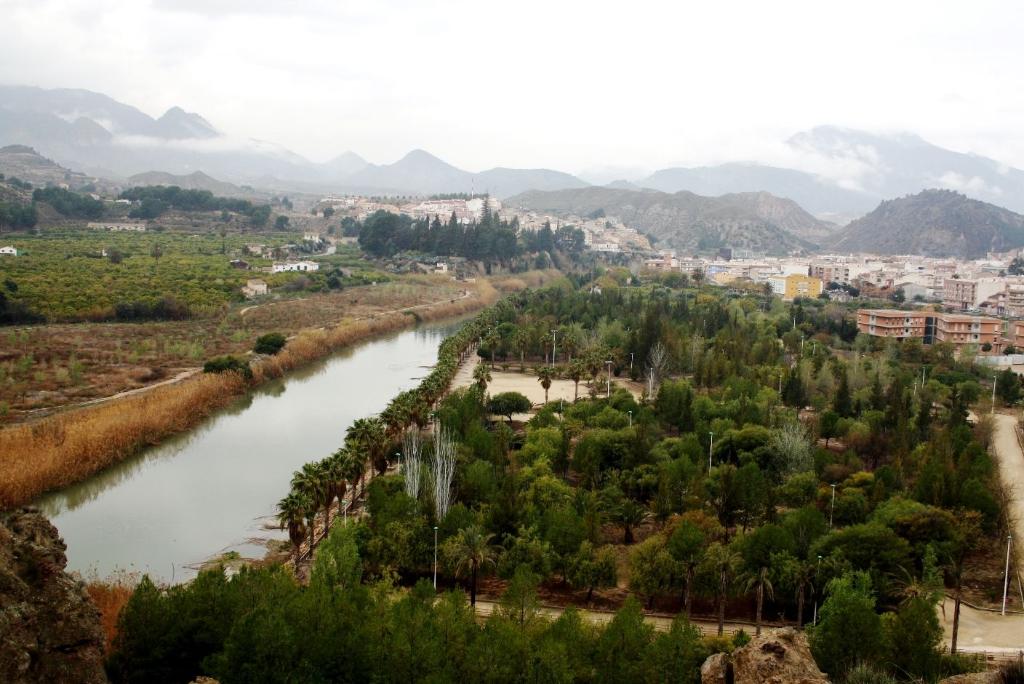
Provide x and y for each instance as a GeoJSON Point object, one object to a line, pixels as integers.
{"type": "Point", "coordinates": [629, 514]}
{"type": "Point", "coordinates": [577, 371]}
{"type": "Point", "coordinates": [482, 375]}
{"type": "Point", "coordinates": [722, 560]}
{"type": "Point", "coordinates": [310, 483]}
{"type": "Point", "coordinates": [470, 550]}
{"type": "Point", "coordinates": [544, 376]}
{"type": "Point", "coordinates": [801, 573]}
{"type": "Point", "coordinates": [369, 436]}
{"type": "Point", "coordinates": [760, 581]}
{"type": "Point", "coordinates": [290, 513]}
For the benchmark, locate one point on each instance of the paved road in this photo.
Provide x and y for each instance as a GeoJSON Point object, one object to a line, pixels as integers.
{"type": "Point", "coordinates": [982, 630]}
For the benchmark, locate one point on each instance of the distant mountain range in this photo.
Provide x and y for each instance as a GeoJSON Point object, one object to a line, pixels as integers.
{"type": "Point", "coordinates": [690, 222]}
{"type": "Point", "coordinates": [101, 137]}
{"type": "Point", "coordinates": [933, 223]}
{"type": "Point", "coordinates": [193, 181]}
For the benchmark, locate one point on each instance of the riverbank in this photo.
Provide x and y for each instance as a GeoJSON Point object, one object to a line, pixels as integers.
{"type": "Point", "coordinates": [68, 447]}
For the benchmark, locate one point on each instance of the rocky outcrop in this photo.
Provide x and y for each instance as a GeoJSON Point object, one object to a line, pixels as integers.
{"type": "Point", "coordinates": [49, 628]}
{"type": "Point", "coordinates": [782, 657]}
{"type": "Point", "coordinates": [974, 678]}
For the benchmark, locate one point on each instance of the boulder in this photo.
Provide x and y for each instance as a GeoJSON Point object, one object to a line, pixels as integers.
{"type": "Point", "coordinates": [50, 628]}
{"type": "Point", "coordinates": [780, 657]}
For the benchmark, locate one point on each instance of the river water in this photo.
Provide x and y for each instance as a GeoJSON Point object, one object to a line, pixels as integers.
{"type": "Point", "coordinates": [212, 489]}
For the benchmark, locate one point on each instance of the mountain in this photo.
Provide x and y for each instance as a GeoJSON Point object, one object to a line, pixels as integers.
{"type": "Point", "coordinates": [176, 123]}
{"type": "Point", "coordinates": [757, 221]}
{"type": "Point", "coordinates": [344, 165]}
{"type": "Point", "coordinates": [193, 181]}
{"type": "Point", "coordinates": [933, 223]}
{"type": "Point", "coordinates": [423, 173]}
{"type": "Point", "coordinates": [24, 163]}
{"type": "Point", "coordinates": [818, 195]}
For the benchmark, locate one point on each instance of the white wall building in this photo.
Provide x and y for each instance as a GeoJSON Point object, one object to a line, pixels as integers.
{"type": "Point", "coordinates": [287, 266]}
{"type": "Point", "coordinates": [8, 251]}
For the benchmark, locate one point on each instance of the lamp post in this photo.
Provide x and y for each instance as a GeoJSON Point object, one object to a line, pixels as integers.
{"type": "Point", "coordinates": [710, 447]}
{"type": "Point", "coordinates": [435, 557]}
{"type": "Point", "coordinates": [817, 571]}
{"type": "Point", "coordinates": [995, 382]}
{"type": "Point", "coordinates": [631, 363]}
{"type": "Point", "coordinates": [630, 418]}
{"type": "Point", "coordinates": [553, 354]}
{"type": "Point", "coordinates": [1006, 579]}
{"type": "Point", "coordinates": [832, 510]}
{"type": "Point", "coordinates": [344, 509]}
{"type": "Point", "coordinates": [608, 391]}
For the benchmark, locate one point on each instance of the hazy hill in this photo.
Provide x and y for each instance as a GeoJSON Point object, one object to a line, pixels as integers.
{"type": "Point", "coordinates": [192, 181]}
{"type": "Point", "coordinates": [817, 195]}
{"type": "Point", "coordinates": [23, 162]}
{"type": "Point", "coordinates": [933, 223]}
{"type": "Point", "coordinates": [690, 222]}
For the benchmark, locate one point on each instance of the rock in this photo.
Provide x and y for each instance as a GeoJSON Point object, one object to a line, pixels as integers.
{"type": "Point", "coordinates": [715, 669]}
{"type": "Point", "coordinates": [49, 628]}
{"type": "Point", "coordinates": [781, 657]}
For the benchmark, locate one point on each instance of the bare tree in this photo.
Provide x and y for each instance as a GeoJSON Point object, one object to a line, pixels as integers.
{"type": "Point", "coordinates": [442, 470]}
{"type": "Point", "coordinates": [657, 365]}
{"type": "Point", "coordinates": [792, 443]}
{"type": "Point", "coordinates": [412, 464]}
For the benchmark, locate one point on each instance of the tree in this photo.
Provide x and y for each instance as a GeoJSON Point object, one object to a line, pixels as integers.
{"type": "Point", "coordinates": [577, 371]}
{"type": "Point", "coordinates": [470, 551]}
{"type": "Point", "coordinates": [722, 561]}
{"type": "Point", "coordinates": [686, 545]}
{"type": "Point", "coordinates": [1008, 386]}
{"type": "Point", "coordinates": [482, 376]}
{"type": "Point", "coordinates": [828, 425]}
{"type": "Point", "coordinates": [629, 515]}
{"type": "Point", "coordinates": [368, 436]}
{"type": "Point", "coordinates": [790, 442]}
{"type": "Point", "coordinates": [281, 222]}
{"type": "Point", "coordinates": [291, 510]}
{"type": "Point", "coordinates": [442, 470]}
{"type": "Point", "coordinates": [592, 568]}
{"type": "Point", "coordinates": [651, 568]}
{"type": "Point", "coordinates": [545, 374]}
{"type": "Point", "coordinates": [849, 631]}
{"type": "Point", "coordinates": [914, 638]}
{"type": "Point", "coordinates": [622, 647]}
{"type": "Point", "coordinates": [508, 403]}
{"type": "Point", "coordinates": [270, 344]}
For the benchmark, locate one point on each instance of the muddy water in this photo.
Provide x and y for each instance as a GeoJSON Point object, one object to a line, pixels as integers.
{"type": "Point", "coordinates": [213, 489]}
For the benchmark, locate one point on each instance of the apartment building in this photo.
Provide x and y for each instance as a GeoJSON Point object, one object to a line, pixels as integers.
{"type": "Point", "coordinates": [932, 326]}
{"type": "Point", "coordinates": [829, 272]}
{"type": "Point", "coordinates": [963, 294]}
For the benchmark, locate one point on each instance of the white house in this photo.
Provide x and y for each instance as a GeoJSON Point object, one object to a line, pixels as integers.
{"type": "Point", "coordinates": [8, 251]}
{"type": "Point", "coordinates": [133, 226]}
{"type": "Point", "coordinates": [286, 266]}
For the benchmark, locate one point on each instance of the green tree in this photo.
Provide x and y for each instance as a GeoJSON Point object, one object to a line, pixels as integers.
{"type": "Point", "coordinates": [592, 568]}
{"type": "Point", "coordinates": [470, 551]}
{"type": "Point", "coordinates": [508, 403]}
{"type": "Point", "coordinates": [686, 545]}
{"type": "Point", "coordinates": [849, 631]}
{"type": "Point", "coordinates": [545, 375]}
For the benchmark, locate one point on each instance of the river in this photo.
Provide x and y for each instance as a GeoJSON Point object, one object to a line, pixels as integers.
{"type": "Point", "coordinates": [212, 489]}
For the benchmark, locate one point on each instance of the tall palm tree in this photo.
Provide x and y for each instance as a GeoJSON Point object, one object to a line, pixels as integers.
{"type": "Point", "coordinates": [352, 467]}
{"type": "Point", "coordinates": [760, 582]}
{"type": "Point", "coordinates": [470, 551]}
{"type": "Point", "coordinates": [368, 436]}
{"type": "Point", "coordinates": [723, 561]}
{"type": "Point", "coordinates": [482, 375]}
{"type": "Point", "coordinates": [545, 375]}
{"type": "Point", "coordinates": [577, 371]}
{"type": "Point", "coordinates": [310, 483]}
{"type": "Point", "coordinates": [290, 513]}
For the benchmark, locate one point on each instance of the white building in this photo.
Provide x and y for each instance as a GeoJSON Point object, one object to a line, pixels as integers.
{"type": "Point", "coordinates": [255, 288]}
{"type": "Point", "coordinates": [8, 251]}
{"type": "Point", "coordinates": [133, 226]}
{"type": "Point", "coordinates": [284, 267]}
{"type": "Point", "coordinates": [605, 247]}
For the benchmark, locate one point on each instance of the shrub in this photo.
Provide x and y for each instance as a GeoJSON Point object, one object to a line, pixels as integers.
{"type": "Point", "coordinates": [223, 364]}
{"type": "Point", "coordinates": [270, 344]}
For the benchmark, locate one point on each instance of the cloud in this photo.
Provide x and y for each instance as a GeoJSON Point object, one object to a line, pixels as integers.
{"type": "Point", "coordinates": [969, 184]}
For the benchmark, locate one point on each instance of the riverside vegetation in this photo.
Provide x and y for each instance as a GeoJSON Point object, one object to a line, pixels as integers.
{"type": "Point", "coordinates": [619, 501]}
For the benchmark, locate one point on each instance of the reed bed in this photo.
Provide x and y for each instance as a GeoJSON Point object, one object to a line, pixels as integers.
{"type": "Point", "coordinates": [68, 447]}
{"type": "Point", "coordinates": [110, 595]}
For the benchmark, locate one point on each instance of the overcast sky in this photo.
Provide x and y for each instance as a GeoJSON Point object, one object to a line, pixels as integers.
{"type": "Point", "coordinates": [565, 84]}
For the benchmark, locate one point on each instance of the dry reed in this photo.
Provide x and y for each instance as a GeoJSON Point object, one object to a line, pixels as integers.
{"type": "Point", "coordinates": [110, 595]}
{"type": "Point", "coordinates": [65, 448]}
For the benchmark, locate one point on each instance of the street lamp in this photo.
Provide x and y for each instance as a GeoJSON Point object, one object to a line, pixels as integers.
{"type": "Point", "coordinates": [435, 557]}
{"type": "Point", "coordinates": [710, 447]}
{"type": "Point", "coordinates": [816, 590]}
{"type": "Point", "coordinates": [832, 510]}
{"type": "Point", "coordinates": [553, 354]}
{"type": "Point", "coordinates": [609, 389]}
{"type": "Point", "coordinates": [630, 418]}
{"type": "Point", "coordinates": [631, 363]}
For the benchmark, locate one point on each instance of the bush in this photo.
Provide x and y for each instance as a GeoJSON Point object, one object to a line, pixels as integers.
{"type": "Point", "coordinates": [223, 364]}
{"type": "Point", "coordinates": [270, 344]}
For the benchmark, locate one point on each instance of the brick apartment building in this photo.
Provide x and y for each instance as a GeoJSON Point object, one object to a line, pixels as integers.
{"type": "Point", "coordinates": [959, 330]}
